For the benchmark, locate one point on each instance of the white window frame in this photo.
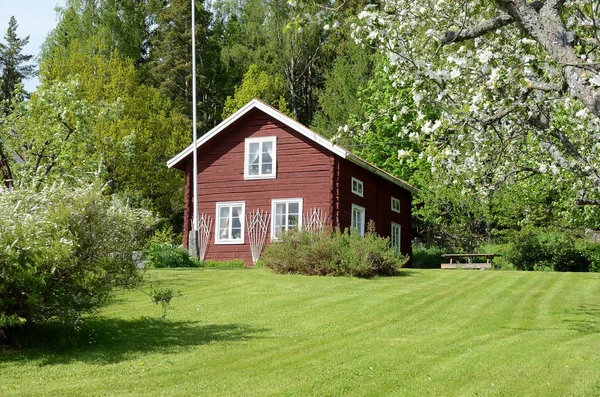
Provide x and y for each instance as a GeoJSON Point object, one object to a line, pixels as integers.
{"type": "Point", "coordinates": [274, 203]}
{"type": "Point", "coordinates": [360, 188]}
{"type": "Point", "coordinates": [398, 243]}
{"type": "Point", "coordinates": [360, 209]}
{"type": "Point", "coordinates": [395, 201]}
{"type": "Point", "coordinates": [230, 204]}
{"type": "Point", "coordinates": [261, 140]}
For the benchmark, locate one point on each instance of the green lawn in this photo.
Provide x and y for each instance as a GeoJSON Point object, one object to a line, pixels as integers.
{"type": "Point", "coordinates": [250, 332]}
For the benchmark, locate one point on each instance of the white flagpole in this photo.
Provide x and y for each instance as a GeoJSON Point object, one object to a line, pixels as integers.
{"type": "Point", "coordinates": [195, 167]}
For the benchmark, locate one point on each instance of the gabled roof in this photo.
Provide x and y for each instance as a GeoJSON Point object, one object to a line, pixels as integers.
{"type": "Point", "coordinates": [296, 126]}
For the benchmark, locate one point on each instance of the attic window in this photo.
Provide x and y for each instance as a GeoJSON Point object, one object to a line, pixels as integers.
{"type": "Point", "coordinates": [260, 158]}
{"type": "Point", "coordinates": [357, 187]}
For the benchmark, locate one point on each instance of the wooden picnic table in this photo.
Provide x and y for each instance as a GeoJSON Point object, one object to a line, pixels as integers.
{"type": "Point", "coordinates": [454, 263]}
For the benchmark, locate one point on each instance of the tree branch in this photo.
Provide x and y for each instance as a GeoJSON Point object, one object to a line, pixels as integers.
{"type": "Point", "coordinates": [587, 202]}
{"type": "Point", "coordinates": [477, 30]}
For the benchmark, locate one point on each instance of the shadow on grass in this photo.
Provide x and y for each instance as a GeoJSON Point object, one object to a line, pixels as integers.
{"type": "Point", "coordinates": [588, 321]}
{"type": "Point", "coordinates": [108, 340]}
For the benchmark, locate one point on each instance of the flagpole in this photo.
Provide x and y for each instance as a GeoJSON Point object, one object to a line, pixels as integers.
{"type": "Point", "coordinates": [195, 167]}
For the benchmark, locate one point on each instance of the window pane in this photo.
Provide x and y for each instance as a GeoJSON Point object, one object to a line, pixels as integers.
{"type": "Point", "coordinates": [266, 157]}
{"type": "Point", "coordinates": [292, 221]}
{"type": "Point", "coordinates": [267, 168]}
{"type": "Point", "coordinates": [236, 233]}
{"type": "Point", "coordinates": [294, 207]}
{"type": "Point", "coordinates": [280, 209]}
{"type": "Point", "coordinates": [253, 153]}
{"type": "Point", "coordinates": [223, 233]}
{"type": "Point", "coordinates": [224, 212]}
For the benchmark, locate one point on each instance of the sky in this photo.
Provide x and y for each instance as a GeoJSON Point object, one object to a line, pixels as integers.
{"type": "Point", "coordinates": [36, 18]}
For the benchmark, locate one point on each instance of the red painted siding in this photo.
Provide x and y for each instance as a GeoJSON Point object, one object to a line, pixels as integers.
{"type": "Point", "coordinates": [304, 170]}
{"type": "Point", "coordinates": [377, 201]}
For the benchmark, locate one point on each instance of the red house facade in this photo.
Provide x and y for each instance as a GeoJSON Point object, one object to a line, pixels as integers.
{"type": "Point", "coordinates": [260, 159]}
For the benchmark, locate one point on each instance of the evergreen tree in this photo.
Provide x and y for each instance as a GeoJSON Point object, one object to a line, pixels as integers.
{"type": "Point", "coordinates": [14, 65]}
{"type": "Point", "coordinates": [171, 60]}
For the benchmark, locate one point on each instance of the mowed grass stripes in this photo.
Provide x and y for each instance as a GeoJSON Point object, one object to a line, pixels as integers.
{"type": "Point", "coordinates": [254, 333]}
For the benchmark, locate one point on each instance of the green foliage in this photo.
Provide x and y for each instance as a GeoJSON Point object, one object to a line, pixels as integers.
{"type": "Point", "coordinates": [64, 249]}
{"type": "Point", "coordinates": [333, 253]}
{"type": "Point", "coordinates": [168, 255]}
{"type": "Point", "coordinates": [534, 250]}
{"type": "Point", "coordinates": [339, 98]}
{"type": "Point", "coordinates": [427, 257]}
{"type": "Point", "coordinates": [171, 65]}
{"type": "Point", "coordinates": [135, 144]}
{"type": "Point", "coordinates": [257, 84]}
{"type": "Point", "coordinates": [164, 235]}
{"type": "Point", "coordinates": [51, 135]}
{"type": "Point", "coordinates": [163, 297]}
{"type": "Point", "coordinates": [230, 264]}
{"type": "Point", "coordinates": [14, 66]}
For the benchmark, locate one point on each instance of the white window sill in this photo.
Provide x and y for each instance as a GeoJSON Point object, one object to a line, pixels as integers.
{"type": "Point", "coordinates": [255, 177]}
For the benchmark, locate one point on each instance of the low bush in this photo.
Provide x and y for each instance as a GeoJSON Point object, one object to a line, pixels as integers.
{"type": "Point", "coordinates": [333, 253]}
{"type": "Point", "coordinates": [168, 255]}
{"type": "Point", "coordinates": [564, 252]}
{"type": "Point", "coordinates": [427, 257]}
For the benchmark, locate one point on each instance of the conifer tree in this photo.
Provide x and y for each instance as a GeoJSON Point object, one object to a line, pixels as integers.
{"type": "Point", "coordinates": [14, 65]}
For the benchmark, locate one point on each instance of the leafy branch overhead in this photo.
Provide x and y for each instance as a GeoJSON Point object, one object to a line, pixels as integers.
{"type": "Point", "coordinates": [519, 78]}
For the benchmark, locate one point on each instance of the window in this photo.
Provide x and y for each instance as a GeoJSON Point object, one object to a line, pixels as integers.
{"type": "Point", "coordinates": [287, 215]}
{"type": "Point", "coordinates": [395, 204]}
{"type": "Point", "coordinates": [357, 187]}
{"type": "Point", "coordinates": [260, 158]}
{"type": "Point", "coordinates": [230, 223]}
{"type": "Point", "coordinates": [358, 219]}
{"type": "Point", "coordinates": [395, 238]}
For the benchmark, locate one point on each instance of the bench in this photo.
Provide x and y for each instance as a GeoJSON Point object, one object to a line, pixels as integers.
{"type": "Point", "coordinates": [455, 264]}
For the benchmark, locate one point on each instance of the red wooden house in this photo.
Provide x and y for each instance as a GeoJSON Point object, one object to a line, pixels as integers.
{"type": "Point", "coordinates": [261, 159]}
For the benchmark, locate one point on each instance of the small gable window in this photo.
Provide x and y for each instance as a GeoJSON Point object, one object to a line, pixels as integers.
{"type": "Point", "coordinates": [357, 187]}
{"type": "Point", "coordinates": [395, 204]}
{"type": "Point", "coordinates": [260, 158]}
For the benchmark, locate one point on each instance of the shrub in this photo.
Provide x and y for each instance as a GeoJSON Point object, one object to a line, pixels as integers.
{"type": "Point", "coordinates": [168, 255]}
{"type": "Point", "coordinates": [333, 253]}
{"type": "Point", "coordinates": [531, 250]}
{"type": "Point", "coordinates": [427, 257]}
{"type": "Point", "coordinates": [63, 250]}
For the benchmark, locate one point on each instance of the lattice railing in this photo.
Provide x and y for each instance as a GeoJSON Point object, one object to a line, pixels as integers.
{"type": "Point", "coordinates": [257, 223]}
{"type": "Point", "coordinates": [315, 220]}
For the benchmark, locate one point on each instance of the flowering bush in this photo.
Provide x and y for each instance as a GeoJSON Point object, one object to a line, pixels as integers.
{"type": "Point", "coordinates": [63, 250]}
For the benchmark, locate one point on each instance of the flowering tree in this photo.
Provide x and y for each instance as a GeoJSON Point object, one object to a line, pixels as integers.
{"type": "Point", "coordinates": [516, 85]}
{"type": "Point", "coordinates": [50, 136]}
{"type": "Point", "coordinates": [63, 250]}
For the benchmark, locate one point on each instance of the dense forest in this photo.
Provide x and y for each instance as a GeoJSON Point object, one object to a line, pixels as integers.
{"type": "Point", "coordinates": [464, 100]}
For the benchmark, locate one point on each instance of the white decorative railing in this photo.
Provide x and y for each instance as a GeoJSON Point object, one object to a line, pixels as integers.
{"type": "Point", "coordinates": [257, 223]}
{"type": "Point", "coordinates": [315, 220]}
{"type": "Point", "coordinates": [204, 227]}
